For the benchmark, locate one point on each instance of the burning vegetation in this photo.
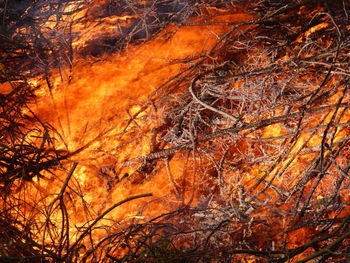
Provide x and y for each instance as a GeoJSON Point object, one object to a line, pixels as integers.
{"type": "Point", "coordinates": [174, 131]}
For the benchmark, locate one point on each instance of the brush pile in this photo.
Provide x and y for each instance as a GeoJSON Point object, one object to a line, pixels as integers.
{"type": "Point", "coordinates": [260, 120]}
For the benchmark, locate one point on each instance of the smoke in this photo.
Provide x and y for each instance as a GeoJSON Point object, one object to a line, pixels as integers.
{"type": "Point", "coordinates": [144, 22]}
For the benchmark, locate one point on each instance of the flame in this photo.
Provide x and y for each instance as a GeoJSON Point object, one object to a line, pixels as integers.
{"type": "Point", "coordinates": [98, 106]}
{"type": "Point", "coordinates": [102, 113]}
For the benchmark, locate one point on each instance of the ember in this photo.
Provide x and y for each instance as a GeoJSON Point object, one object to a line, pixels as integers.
{"type": "Point", "coordinates": [174, 131]}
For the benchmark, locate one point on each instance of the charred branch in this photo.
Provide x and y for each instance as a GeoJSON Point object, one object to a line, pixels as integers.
{"type": "Point", "coordinates": [260, 118]}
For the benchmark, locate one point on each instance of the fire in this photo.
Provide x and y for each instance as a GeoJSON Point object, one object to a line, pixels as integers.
{"type": "Point", "coordinates": [196, 130]}
{"type": "Point", "coordinates": [99, 107]}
